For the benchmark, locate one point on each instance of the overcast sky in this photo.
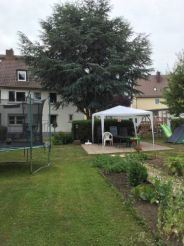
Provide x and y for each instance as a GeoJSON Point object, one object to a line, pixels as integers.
{"type": "Point", "coordinates": [163, 20]}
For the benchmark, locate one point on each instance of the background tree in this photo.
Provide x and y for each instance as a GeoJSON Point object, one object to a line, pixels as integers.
{"type": "Point", "coordinates": [86, 56]}
{"type": "Point", "coordinates": [174, 94]}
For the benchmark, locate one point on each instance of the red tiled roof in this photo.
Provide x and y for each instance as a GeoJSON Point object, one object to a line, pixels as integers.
{"type": "Point", "coordinates": [8, 73]}
{"type": "Point", "coordinates": [152, 87]}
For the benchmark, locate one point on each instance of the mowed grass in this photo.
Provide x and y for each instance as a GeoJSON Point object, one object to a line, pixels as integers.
{"type": "Point", "coordinates": [68, 204]}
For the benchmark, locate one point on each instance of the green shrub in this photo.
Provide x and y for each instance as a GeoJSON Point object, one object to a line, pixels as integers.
{"type": "Point", "coordinates": [82, 129]}
{"type": "Point", "coordinates": [137, 173]}
{"type": "Point", "coordinates": [157, 192]}
{"type": "Point", "coordinates": [111, 164]}
{"type": "Point", "coordinates": [138, 156]}
{"type": "Point", "coordinates": [3, 133]}
{"type": "Point", "coordinates": [163, 190]}
{"type": "Point", "coordinates": [62, 138]}
{"type": "Point", "coordinates": [176, 122]}
{"type": "Point", "coordinates": [175, 165]}
{"type": "Point", "coordinates": [171, 218]}
{"type": "Point", "coordinates": [146, 192]}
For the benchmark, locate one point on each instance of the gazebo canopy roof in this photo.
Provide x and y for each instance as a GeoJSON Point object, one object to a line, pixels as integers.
{"type": "Point", "coordinates": [123, 111]}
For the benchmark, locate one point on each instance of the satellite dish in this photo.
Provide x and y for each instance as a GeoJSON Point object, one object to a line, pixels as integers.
{"type": "Point", "coordinates": [182, 115]}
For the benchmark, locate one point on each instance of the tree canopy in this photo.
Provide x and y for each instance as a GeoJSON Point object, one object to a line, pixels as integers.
{"type": "Point", "coordinates": [174, 94]}
{"type": "Point", "coordinates": [87, 56]}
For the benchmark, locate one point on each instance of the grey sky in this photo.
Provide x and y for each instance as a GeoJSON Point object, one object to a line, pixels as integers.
{"type": "Point", "coordinates": [162, 19]}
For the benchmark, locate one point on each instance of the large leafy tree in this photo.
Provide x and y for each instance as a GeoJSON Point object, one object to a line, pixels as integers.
{"type": "Point", "coordinates": [86, 56]}
{"type": "Point", "coordinates": [174, 94]}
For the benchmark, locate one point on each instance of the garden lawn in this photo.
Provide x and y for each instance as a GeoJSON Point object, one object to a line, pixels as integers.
{"type": "Point", "coordinates": [68, 204]}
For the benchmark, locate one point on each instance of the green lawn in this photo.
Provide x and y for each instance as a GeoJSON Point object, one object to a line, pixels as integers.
{"type": "Point", "coordinates": [68, 204]}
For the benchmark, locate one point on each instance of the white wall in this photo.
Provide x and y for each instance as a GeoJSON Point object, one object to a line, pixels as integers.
{"type": "Point", "coordinates": [62, 113]}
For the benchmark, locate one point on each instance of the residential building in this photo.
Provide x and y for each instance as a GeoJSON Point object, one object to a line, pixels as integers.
{"type": "Point", "coordinates": [151, 97]}
{"type": "Point", "coordinates": [16, 83]}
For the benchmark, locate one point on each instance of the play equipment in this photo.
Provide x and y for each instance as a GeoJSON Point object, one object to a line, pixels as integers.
{"type": "Point", "coordinates": [167, 130]}
{"type": "Point", "coordinates": [21, 128]}
{"type": "Point", "coordinates": [178, 136]}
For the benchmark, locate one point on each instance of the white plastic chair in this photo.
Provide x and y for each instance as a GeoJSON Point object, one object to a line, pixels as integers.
{"type": "Point", "coordinates": [107, 137]}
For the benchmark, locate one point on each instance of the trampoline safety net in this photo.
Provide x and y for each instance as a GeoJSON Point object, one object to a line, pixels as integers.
{"type": "Point", "coordinates": [21, 123]}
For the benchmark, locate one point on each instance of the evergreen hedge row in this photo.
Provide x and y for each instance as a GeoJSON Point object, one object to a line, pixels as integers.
{"type": "Point", "coordinates": [82, 129]}
{"type": "Point", "coordinates": [176, 122]}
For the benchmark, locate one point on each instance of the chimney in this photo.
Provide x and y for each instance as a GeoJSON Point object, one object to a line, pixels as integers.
{"type": "Point", "coordinates": [9, 54]}
{"type": "Point", "coordinates": [158, 77]}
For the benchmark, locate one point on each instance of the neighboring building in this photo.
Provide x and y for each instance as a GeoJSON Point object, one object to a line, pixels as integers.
{"type": "Point", "coordinates": [152, 95]}
{"type": "Point", "coordinates": [16, 83]}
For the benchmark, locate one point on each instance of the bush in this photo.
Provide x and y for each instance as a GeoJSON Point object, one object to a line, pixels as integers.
{"type": "Point", "coordinates": [3, 133]}
{"type": "Point", "coordinates": [157, 192]}
{"type": "Point", "coordinates": [82, 129]}
{"type": "Point", "coordinates": [175, 165]}
{"type": "Point", "coordinates": [138, 156]}
{"type": "Point", "coordinates": [171, 218]}
{"type": "Point", "coordinates": [146, 192]}
{"type": "Point", "coordinates": [62, 138]}
{"type": "Point", "coordinates": [176, 122]}
{"type": "Point", "coordinates": [137, 173]}
{"type": "Point", "coordinates": [111, 164]}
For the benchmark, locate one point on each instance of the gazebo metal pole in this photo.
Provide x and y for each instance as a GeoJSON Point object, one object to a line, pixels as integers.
{"type": "Point", "coordinates": [102, 126]}
{"type": "Point", "coordinates": [135, 128]}
{"type": "Point", "coordinates": [49, 147]}
{"type": "Point", "coordinates": [93, 128]}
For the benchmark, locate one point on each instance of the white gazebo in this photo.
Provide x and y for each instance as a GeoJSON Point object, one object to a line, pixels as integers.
{"type": "Point", "coordinates": [125, 113]}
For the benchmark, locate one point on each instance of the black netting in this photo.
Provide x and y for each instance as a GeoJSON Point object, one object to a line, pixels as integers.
{"type": "Point", "coordinates": [18, 120]}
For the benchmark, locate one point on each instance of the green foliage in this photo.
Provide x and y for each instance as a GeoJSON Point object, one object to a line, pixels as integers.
{"type": "Point", "coordinates": [86, 56]}
{"type": "Point", "coordinates": [82, 129]}
{"type": "Point", "coordinates": [111, 164]}
{"type": "Point", "coordinates": [146, 192]}
{"type": "Point", "coordinates": [158, 192]}
{"type": "Point", "coordinates": [174, 94]}
{"type": "Point", "coordinates": [175, 165]}
{"type": "Point", "coordinates": [62, 138]}
{"type": "Point", "coordinates": [130, 164]}
{"type": "Point", "coordinates": [3, 132]}
{"type": "Point", "coordinates": [138, 156]}
{"type": "Point", "coordinates": [176, 122]}
{"type": "Point", "coordinates": [171, 216]}
{"type": "Point", "coordinates": [163, 190]}
{"type": "Point", "coordinates": [137, 173]}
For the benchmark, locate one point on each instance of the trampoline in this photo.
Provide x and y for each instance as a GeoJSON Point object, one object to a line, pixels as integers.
{"type": "Point", "coordinates": [21, 128]}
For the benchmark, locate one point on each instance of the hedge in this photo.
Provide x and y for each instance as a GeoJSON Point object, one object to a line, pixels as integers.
{"type": "Point", "coordinates": [176, 122]}
{"type": "Point", "coordinates": [62, 138]}
{"type": "Point", "coordinates": [82, 129]}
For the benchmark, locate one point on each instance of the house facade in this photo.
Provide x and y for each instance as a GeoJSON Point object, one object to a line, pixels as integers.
{"type": "Point", "coordinates": [151, 97]}
{"type": "Point", "coordinates": [16, 84]}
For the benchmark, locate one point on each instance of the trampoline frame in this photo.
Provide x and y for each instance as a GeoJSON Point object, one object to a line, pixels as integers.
{"type": "Point", "coordinates": [28, 149]}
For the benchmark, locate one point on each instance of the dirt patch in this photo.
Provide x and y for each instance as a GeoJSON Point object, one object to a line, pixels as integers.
{"type": "Point", "coordinates": [146, 210]}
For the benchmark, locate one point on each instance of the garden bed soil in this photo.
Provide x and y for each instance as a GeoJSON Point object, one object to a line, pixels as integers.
{"type": "Point", "coordinates": [146, 210]}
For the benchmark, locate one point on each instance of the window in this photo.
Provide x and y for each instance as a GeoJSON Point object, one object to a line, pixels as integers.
{"type": "Point", "coordinates": [37, 95]}
{"type": "Point", "coordinates": [15, 119]}
{"type": "Point", "coordinates": [157, 100]}
{"type": "Point", "coordinates": [53, 119]}
{"type": "Point", "coordinates": [12, 96]}
{"type": "Point", "coordinates": [21, 75]}
{"type": "Point", "coordinates": [20, 96]}
{"type": "Point", "coordinates": [70, 117]}
{"type": "Point", "coordinates": [53, 97]}
{"type": "Point", "coordinates": [17, 96]}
